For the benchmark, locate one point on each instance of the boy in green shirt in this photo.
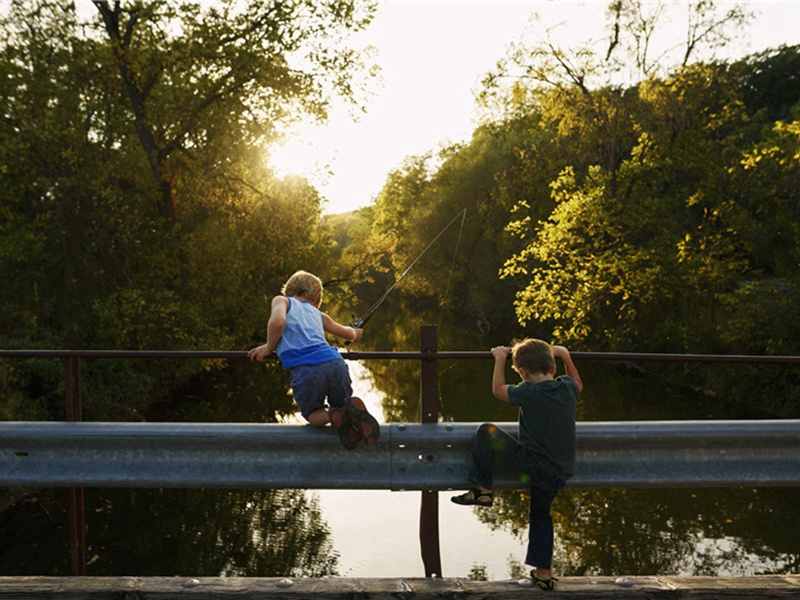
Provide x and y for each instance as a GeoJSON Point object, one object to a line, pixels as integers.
{"type": "Point", "coordinates": [545, 452]}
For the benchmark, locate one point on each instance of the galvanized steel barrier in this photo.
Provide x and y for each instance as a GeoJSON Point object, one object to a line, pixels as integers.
{"type": "Point", "coordinates": [427, 456]}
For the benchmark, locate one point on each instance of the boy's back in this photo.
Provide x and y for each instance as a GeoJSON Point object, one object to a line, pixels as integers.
{"type": "Point", "coordinates": [547, 422]}
{"type": "Point", "coordinates": [303, 339]}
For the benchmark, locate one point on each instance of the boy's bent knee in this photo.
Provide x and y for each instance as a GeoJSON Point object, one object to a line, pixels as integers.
{"type": "Point", "coordinates": [486, 430]}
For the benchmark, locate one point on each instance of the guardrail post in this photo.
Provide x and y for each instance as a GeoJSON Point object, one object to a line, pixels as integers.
{"type": "Point", "coordinates": [429, 401]}
{"type": "Point", "coordinates": [77, 526]}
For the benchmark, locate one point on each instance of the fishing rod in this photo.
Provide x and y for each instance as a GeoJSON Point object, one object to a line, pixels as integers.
{"type": "Point", "coordinates": [359, 323]}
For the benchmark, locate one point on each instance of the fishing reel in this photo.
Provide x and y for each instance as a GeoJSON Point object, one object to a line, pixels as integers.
{"type": "Point", "coordinates": [356, 323]}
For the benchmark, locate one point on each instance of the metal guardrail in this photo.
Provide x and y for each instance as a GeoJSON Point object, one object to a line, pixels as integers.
{"type": "Point", "coordinates": [427, 456]}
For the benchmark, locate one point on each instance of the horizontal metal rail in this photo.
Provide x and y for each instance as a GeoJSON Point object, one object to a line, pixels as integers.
{"type": "Point", "coordinates": [441, 355]}
{"type": "Point", "coordinates": [428, 456]}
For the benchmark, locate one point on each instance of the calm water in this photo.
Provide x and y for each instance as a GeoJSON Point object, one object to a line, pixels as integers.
{"type": "Point", "coordinates": [375, 533]}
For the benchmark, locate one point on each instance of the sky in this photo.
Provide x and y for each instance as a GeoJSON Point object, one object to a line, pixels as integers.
{"type": "Point", "coordinates": [433, 54]}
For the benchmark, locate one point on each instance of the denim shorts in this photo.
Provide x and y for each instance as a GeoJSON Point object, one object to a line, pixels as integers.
{"type": "Point", "coordinates": [312, 384]}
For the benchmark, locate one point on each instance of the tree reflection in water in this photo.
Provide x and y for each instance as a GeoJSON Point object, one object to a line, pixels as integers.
{"type": "Point", "coordinates": [202, 532]}
{"type": "Point", "coordinates": [714, 532]}
{"type": "Point", "coordinates": [250, 533]}
{"type": "Point", "coordinates": [253, 533]}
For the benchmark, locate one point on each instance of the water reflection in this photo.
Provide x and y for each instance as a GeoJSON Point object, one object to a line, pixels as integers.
{"type": "Point", "coordinates": [669, 532]}
{"type": "Point", "coordinates": [252, 533]}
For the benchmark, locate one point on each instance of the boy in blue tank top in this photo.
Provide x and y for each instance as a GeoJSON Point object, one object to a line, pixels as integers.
{"type": "Point", "coordinates": [545, 451]}
{"type": "Point", "coordinates": [296, 333]}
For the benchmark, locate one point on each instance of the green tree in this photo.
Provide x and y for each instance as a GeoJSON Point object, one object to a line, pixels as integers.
{"type": "Point", "coordinates": [457, 276]}
{"type": "Point", "coordinates": [617, 254]}
{"type": "Point", "coordinates": [136, 208]}
{"type": "Point", "coordinates": [226, 76]}
{"type": "Point", "coordinates": [771, 82]}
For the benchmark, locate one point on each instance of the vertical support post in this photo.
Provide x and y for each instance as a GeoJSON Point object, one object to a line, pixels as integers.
{"type": "Point", "coordinates": [429, 401]}
{"type": "Point", "coordinates": [77, 527]}
{"type": "Point", "coordinates": [73, 385]}
{"type": "Point", "coordinates": [429, 374]}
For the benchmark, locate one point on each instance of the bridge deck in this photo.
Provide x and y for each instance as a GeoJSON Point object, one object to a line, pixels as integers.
{"type": "Point", "coordinates": [164, 588]}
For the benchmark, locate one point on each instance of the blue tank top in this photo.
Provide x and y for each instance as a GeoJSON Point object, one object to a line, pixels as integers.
{"type": "Point", "coordinates": [303, 341]}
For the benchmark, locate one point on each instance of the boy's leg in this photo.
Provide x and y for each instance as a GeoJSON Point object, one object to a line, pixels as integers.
{"type": "Point", "coordinates": [340, 421]}
{"type": "Point", "coordinates": [491, 440]}
{"type": "Point", "coordinates": [308, 396]}
{"type": "Point", "coordinates": [340, 396]}
{"type": "Point", "coordinates": [309, 388]}
{"type": "Point", "coordinates": [540, 535]}
{"type": "Point", "coordinates": [338, 418]}
{"type": "Point", "coordinates": [338, 386]}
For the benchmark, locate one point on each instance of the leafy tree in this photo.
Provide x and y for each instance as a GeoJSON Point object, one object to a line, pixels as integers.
{"type": "Point", "coordinates": [228, 76]}
{"type": "Point", "coordinates": [204, 532]}
{"type": "Point", "coordinates": [771, 82]}
{"type": "Point", "coordinates": [136, 209]}
{"type": "Point", "coordinates": [458, 273]}
{"type": "Point", "coordinates": [604, 265]}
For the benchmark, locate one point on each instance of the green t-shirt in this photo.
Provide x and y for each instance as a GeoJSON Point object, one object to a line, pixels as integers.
{"type": "Point", "coordinates": [547, 422]}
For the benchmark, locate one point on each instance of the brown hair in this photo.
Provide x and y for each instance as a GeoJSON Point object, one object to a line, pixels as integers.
{"type": "Point", "coordinates": [535, 356]}
{"type": "Point", "coordinates": [302, 284]}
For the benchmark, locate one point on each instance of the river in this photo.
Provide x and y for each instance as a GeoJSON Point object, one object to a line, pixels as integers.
{"type": "Point", "coordinates": [727, 531]}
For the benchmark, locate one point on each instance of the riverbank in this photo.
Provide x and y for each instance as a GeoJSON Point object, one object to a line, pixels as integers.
{"type": "Point", "coordinates": [163, 588]}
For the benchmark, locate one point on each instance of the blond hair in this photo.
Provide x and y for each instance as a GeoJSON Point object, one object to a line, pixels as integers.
{"type": "Point", "coordinates": [302, 284]}
{"type": "Point", "coordinates": [535, 356]}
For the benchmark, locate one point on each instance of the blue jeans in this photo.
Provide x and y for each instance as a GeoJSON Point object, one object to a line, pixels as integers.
{"type": "Point", "coordinates": [312, 384]}
{"type": "Point", "coordinates": [491, 441]}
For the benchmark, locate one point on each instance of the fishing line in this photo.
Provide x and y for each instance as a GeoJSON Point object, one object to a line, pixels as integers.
{"type": "Point", "coordinates": [441, 312]}
{"type": "Point", "coordinates": [359, 323]}
{"type": "Point", "coordinates": [452, 266]}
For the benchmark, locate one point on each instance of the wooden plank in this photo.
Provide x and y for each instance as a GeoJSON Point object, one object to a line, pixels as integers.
{"type": "Point", "coordinates": [759, 586]}
{"type": "Point", "coordinates": [340, 588]}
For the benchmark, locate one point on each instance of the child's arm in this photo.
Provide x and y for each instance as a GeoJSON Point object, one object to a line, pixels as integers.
{"type": "Point", "coordinates": [499, 387]}
{"type": "Point", "coordinates": [348, 333]}
{"type": "Point", "coordinates": [562, 353]}
{"type": "Point", "coordinates": [277, 321]}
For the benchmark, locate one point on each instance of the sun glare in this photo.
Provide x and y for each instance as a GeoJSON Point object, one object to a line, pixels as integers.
{"type": "Point", "coordinates": [295, 157]}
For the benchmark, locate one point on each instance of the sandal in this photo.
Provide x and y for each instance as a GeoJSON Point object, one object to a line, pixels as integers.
{"type": "Point", "coordinates": [341, 423]}
{"type": "Point", "coordinates": [548, 585]}
{"type": "Point", "coordinates": [363, 422]}
{"type": "Point", "coordinates": [473, 497]}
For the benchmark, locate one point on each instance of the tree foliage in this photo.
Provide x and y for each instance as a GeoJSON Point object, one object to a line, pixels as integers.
{"type": "Point", "coordinates": [137, 209]}
{"type": "Point", "coordinates": [655, 215]}
{"type": "Point", "coordinates": [218, 80]}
